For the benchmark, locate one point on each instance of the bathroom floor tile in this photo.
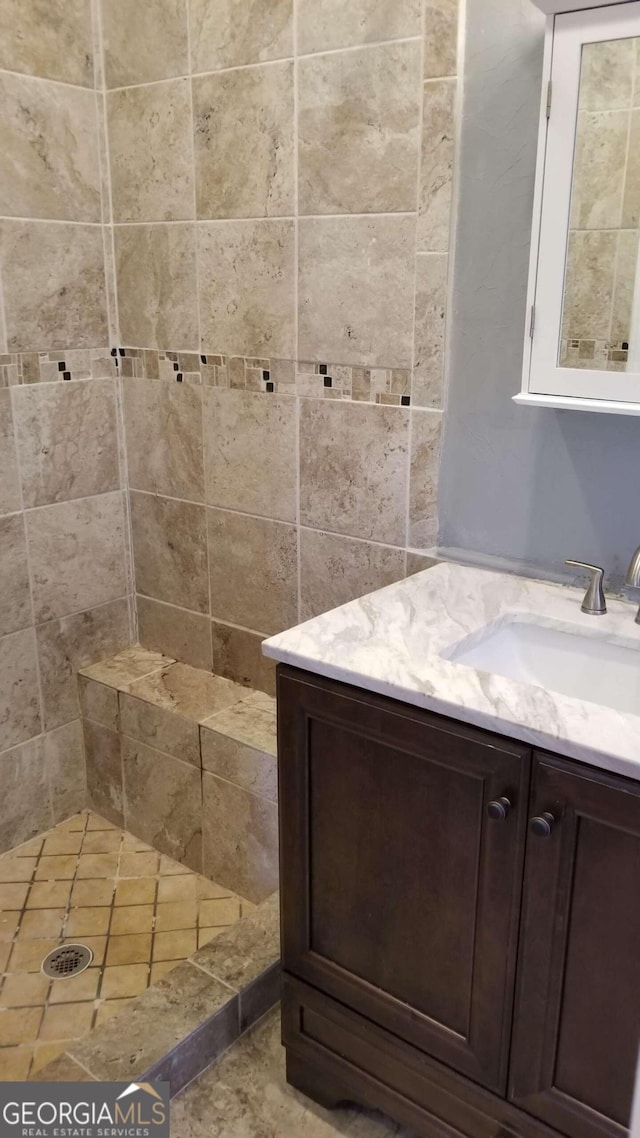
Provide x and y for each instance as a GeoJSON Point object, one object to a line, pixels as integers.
{"type": "Point", "coordinates": [85, 881]}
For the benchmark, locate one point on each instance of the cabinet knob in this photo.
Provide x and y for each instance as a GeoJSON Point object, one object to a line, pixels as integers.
{"type": "Point", "coordinates": [498, 809]}
{"type": "Point", "coordinates": [542, 827]}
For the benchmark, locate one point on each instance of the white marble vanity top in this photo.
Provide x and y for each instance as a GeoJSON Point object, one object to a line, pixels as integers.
{"type": "Point", "coordinates": [392, 642]}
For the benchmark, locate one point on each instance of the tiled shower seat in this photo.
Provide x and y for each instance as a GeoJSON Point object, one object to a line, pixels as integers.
{"type": "Point", "coordinates": [186, 761]}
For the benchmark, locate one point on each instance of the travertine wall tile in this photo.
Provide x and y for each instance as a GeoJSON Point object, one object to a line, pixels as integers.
{"type": "Point", "coordinates": [15, 596]}
{"type": "Point", "coordinates": [606, 75]}
{"type": "Point", "coordinates": [10, 497]}
{"type": "Point", "coordinates": [431, 305]}
{"type": "Point", "coordinates": [163, 803]}
{"type": "Point", "coordinates": [104, 772]}
{"type": "Point", "coordinates": [247, 287]}
{"type": "Point", "coordinates": [25, 807]}
{"type": "Point", "coordinates": [54, 42]}
{"type": "Point", "coordinates": [591, 259]}
{"type": "Point", "coordinates": [163, 424]}
{"type": "Point", "coordinates": [243, 134]}
{"type": "Point", "coordinates": [327, 24]}
{"type": "Point", "coordinates": [170, 550]}
{"type": "Point", "coordinates": [441, 38]}
{"type": "Point", "coordinates": [164, 729]}
{"type": "Point", "coordinates": [54, 286]}
{"type": "Point", "coordinates": [240, 839]}
{"type": "Point", "coordinates": [49, 145]}
{"type": "Point", "coordinates": [230, 33]}
{"type": "Point", "coordinates": [263, 599]}
{"type": "Point", "coordinates": [623, 293]}
{"type": "Point", "coordinates": [74, 642]}
{"type": "Point", "coordinates": [99, 703]}
{"type": "Point", "coordinates": [184, 635]}
{"type": "Point", "coordinates": [631, 203]}
{"type": "Point", "coordinates": [335, 569]}
{"type": "Point", "coordinates": [354, 469]}
{"type": "Point", "coordinates": [250, 452]}
{"type": "Point", "coordinates": [63, 755]}
{"type": "Point", "coordinates": [151, 152]}
{"type": "Point", "coordinates": [356, 280]}
{"type": "Point", "coordinates": [363, 109]}
{"type": "Point", "coordinates": [237, 653]}
{"type": "Point", "coordinates": [156, 273]}
{"type": "Point", "coordinates": [144, 42]}
{"type": "Point", "coordinates": [426, 430]}
{"type": "Point", "coordinates": [19, 694]}
{"type": "Point", "coordinates": [436, 169]}
{"type": "Point", "coordinates": [67, 444]}
{"type": "Point", "coordinates": [76, 550]}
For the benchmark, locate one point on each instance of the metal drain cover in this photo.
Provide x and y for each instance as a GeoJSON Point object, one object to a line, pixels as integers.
{"type": "Point", "coordinates": [67, 960]}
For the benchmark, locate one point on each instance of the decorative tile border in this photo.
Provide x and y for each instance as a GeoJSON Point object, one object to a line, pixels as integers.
{"type": "Point", "coordinates": [17, 368]}
{"type": "Point", "coordinates": [391, 386]}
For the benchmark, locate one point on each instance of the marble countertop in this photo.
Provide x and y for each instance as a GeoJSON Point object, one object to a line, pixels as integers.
{"type": "Point", "coordinates": [395, 641]}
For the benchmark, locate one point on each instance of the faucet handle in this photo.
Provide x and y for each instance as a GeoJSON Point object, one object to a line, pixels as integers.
{"type": "Point", "coordinates": [594, 603]}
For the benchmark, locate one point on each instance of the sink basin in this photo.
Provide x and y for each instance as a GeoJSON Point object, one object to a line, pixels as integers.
{"type": "Point", "coordinates": [586, 667]}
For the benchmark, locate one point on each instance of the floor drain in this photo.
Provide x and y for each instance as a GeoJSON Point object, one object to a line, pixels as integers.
{"type": "Point", "coordinates": [68, 960]}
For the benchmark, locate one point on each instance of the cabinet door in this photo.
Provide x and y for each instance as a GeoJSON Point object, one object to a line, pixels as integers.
{"type": "Point", "coordinates": [400, 895]}
{"type": "Point", "coordinates": [577, 1021]}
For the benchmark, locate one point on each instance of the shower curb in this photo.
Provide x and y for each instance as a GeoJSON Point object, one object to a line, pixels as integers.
{"type": "Point", "coordinates": [182, 1024]}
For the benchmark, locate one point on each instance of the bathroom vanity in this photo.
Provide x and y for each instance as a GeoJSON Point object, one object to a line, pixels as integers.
{"type": "Point", "coordinates": [460, 859]}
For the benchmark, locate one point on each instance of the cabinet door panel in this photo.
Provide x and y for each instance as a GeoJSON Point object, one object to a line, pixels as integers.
{"type": "Point", "coordinates": [400, 897]}
{"type": "Point", "coordinates": [577, 1022]}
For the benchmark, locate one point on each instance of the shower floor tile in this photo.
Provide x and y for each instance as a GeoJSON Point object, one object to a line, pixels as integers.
{"type": "Point", "coordinates": [86, 881]}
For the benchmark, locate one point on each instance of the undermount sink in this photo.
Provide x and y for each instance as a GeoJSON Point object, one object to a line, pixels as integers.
{"type": "Point", "coordinates": [585, 666]}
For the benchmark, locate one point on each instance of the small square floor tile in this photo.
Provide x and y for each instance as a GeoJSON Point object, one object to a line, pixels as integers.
{"type": "Point", "coordinates": [132, 919]}
{"type": "Point", "coordinates": [90, 893]}
{"type": "Point", "coordinates": [66, 1021]}
{"type": "Point", "coordinates": [17, 868]}
{"type": "Point", "coordinates": [41, 923]}
{"type": "Point", "coordinates": [5, 953]}
{"type": "Point", "coordinates": [130, 949]}
{"type": "Point", "coordinates": [88, 922]}
{"type": "Point", "coordinates": [177, 889]}
{"type": "Point", "coordinates": [138, 864]}
{"type": "Point", "coordinates": [124, 980]}
{"type": "Point", "coordinates": [205, 935]}
{"type": "Point", "coordinates": [48, 894]}
{"type": "Point", "coordinates": [175, 915]}
{"type": "Point", "coordinates": [58, 868]}
{"type": "Point", "coordinates": [174, 945]}
{"type": "Point", "coordinates": [19, 1025]}
{"type": "Point", "coordinates": [168, 866]}
{"type": "Point", "coordinates": [13, 896]}
{"type": "Point", "coordinates": [140, 891]}
{"type": "Point", "coordinates": [68, 842]}
{"type": "Point", "coordinates": [32, 848]}
{"type": "Point", "coordinates": [101, 841]}
{"type": "Point", "coordinates": [16, 1062]}
{"type": "Point", "coordinates": [95, 822]}
{"type": "Point", "coordinates": [27, 955]}
{"type": "Point", "coordinates": [161, 968]}
{"type": "Point", "coordinates": [75, 989]}
{"type": "Point", "coordinates": [76, 822]}
{"type": "Point", "coordinates": [97, 865]}
{"type": "Point", "coordinates": [28, 990]}
{"type": "Point", "coordinates": [9, 922]}
{"type": "Point", "coordinates": [221, 911]}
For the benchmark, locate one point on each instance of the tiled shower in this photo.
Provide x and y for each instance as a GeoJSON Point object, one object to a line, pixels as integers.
{"type": "Point", "coordinates": [224, 249]}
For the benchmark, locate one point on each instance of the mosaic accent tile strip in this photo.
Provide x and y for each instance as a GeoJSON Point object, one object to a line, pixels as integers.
{"type": "Point", "coordinates": [390, 386]}
{"type": "Point", "coordinates": [17, 368]}
{"type": "Point", "coordinates": [601, 355]}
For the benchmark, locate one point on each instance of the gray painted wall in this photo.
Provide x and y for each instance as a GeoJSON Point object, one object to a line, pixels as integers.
{"type": "Point", "coordinates": [519, 486]}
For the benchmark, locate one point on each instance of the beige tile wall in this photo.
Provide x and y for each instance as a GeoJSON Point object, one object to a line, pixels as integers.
{"type": "Point", "coordinates": [281, 175]}
{"type": "Point", "coordinates": [64, 575]}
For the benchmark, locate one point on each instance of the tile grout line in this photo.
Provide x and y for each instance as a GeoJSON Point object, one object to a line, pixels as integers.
{"type": "Point", "coordinates": [373, 44]}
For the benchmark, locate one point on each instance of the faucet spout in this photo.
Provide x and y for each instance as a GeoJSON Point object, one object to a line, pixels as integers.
{"type": "Point", "coordinates": [633, 572]}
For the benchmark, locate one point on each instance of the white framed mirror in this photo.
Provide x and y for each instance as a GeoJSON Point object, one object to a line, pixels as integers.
{"type": "Point", "coordinates": [582, 346]}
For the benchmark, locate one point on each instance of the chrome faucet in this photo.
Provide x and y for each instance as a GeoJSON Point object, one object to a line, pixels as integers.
{"type": "Point", "coordinates": [594, 603]}
{"type": "Point", "coordinates": [633, 576]}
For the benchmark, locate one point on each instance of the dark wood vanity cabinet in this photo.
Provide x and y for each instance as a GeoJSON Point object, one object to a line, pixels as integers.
{"type": "Point", "coordinates": [443, 960]}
